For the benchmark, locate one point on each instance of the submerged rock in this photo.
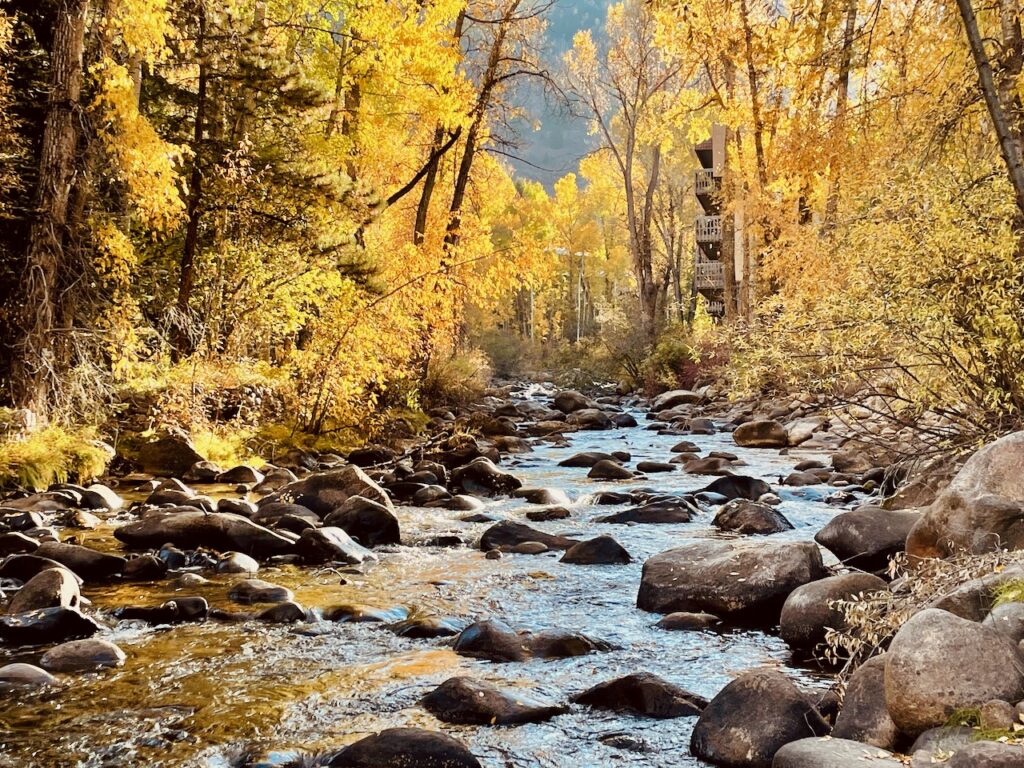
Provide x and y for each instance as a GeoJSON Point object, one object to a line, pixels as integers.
{"type": "Point", "coordinates": [20, 675]}
{"type": "Point", "coordinates": [495, 640]}
{"type": "Point", "coordinates": [82, 656]}
{"type": "Point", "coordinates": [644, 694]}
{"type": "Point", "coordinates": [467, 701]}
{"type": "Point", "coordinates": [683, 620]}
{"type": "Point", "coordinates": [405, 748]}
{"type": "Point", "coordinates": [508, 534]}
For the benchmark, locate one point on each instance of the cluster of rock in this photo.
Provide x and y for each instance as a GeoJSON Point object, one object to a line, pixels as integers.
{"type": "Point", "coordinates": [328, 510]}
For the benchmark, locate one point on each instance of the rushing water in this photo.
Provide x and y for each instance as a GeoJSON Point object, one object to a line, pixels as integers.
{"type": "Point", "coordinates": [204, 694]}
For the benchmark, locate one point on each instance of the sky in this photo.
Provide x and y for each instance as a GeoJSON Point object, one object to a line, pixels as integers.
{"type": "Point", "coordinates": [560, 139]}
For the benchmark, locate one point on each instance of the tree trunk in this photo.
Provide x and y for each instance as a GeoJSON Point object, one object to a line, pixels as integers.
{"type": "Point", "coordinates": [37, 381]}
{"type": "Point", "coordinates": [1009, 146]}
{"type": "Point", "coordinates": [839, 126]}
{"type": "Point", "coordinates": [186, 280]}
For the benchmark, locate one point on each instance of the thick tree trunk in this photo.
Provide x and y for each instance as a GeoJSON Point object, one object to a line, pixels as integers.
{"type": "Point", "coordinates": [839, 126]}
{"type": "Point", "coordinates": [1009, 145]}
{"type": "Point", "coordinates": [37, 381]}
{"type": "Point", "coordinates": [186, 279]}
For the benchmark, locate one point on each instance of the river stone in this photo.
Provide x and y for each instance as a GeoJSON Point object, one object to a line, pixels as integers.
{"type": "Point", "coordinates": [467, 701]}
{"type": "Point", "coordinates": [939, 663]}
{"type": "Point", "coordinates": [99, 496]}
{"type": "Point", "coordinates": [867, 537]}
{"type": "Point", "coordinates": [1007, 619]}
{"type": "Point", "coordinates": [674, 398]}
{"type": "Point", "coordinates": [974, 599]}
{"type": "Point", "coordinates": [988, 754]}
{"type": "Point", "coordinates": [87, 563]}
{"type": "Point", "coordinates": [428, 627]}
{"type": "Point", "coordinates": [269, 514]}
{"type": "Point", "coordinates": [405, 748]}
{"type": "Point", "coordinates": [169, 455]}
{"type": "Point", "coordinates": [547, 514]}
{"type": "Point", "coordinates": [24, 567]}
{"type": "Point", "coordinates": [191, 528]}
{"type": "Point", "coordinates": [323, 492]}
{"type": "Point", "coordinates": [549, 496]}
{"type": "Point", "coordinates": [370, 523]}
{"type": "Point", "coordinates": [808, 613]}
{"type": "Point", "coordinates": [752, 718]}
{"type": "Point", "coordinates": [82, 656]}
{"type": "Point", "coordinates": [801, 479]}
{"type": "Point", "coordinates": [761, 434]}
{"type": "Point", "coordinates": [52, 588]}
{"type": "Point", "coordinates": [652, 467]}
{"type": "Point", "coordinates": [508, 534]}
{"type": "Point", "coordinates": [482, 478]}
{"type": "Point", "coordinates": [737, 487]}
{"type": "Point", "coordinates": [736, 580]}
{"type": "Point", "coordinates": [177, 611]}
{"type": "Point", "coordinates": [144, 568]}
{"type": "Point", "coordinates": [495, 640]}
{"type": "Point", "coordinates": [664, 511]}
{"type": "Point", "coordinates": [252, 591]}
{"type": "Point", "coordinates": [832, 752]}
{"type": "Point", "coordinates": [47, 625]}
{"type": "Point", "coordinates": [601, 550]}
{"type": "Point", "coordinates": [682, 621]}
{"type": "Point", "coordinates": [709, 465]}
{"type": "Point", "coordinates": [982, 509]}
{"type": "Point", "coordinates": [936, 744]}
{"type": "Point", "coordinates": [590, 419]}
{"type": "Point", "coordinates": [570, 400]}
{"type": "Point", "coordinates": [324, 545]}
{"type": "Point", "coordinates": [643, 694]}
{"type": "Point", "coordinates": [586, 459]}
{"type": "Point", "coordinates": [609, 470]}
{"type": "Point", "coordinates": [743, 516]}
{"type": "Point", "coordinates": [17, 543]}
{"type": "Point", "coordinates": [864, 716]}
{"type": "Point", "coordinates": [365, 614]}
{"type": "Point", "coordinates": [288, 612]}
{"type": "Point", "coordinates": [20, 675]}
{"type": "Point", "coordinates": [236, 562]}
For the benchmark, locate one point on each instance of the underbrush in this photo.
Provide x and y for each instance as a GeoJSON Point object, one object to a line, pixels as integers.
{"type": "Point", "coordinates": [456, 379]}
{"type": "Point", "coordinates": [50, 455]}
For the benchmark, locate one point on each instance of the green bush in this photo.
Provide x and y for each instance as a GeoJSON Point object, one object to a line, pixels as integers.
{"type": "Point", "coordinates": [52, 455]}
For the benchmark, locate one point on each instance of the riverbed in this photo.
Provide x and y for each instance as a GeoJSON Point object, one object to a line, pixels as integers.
{"type": "Point", "coordinates": [208, 694]}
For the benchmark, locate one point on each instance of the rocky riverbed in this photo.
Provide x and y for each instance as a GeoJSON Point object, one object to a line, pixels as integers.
{"type": "Point", "coordinates": [586, 583]}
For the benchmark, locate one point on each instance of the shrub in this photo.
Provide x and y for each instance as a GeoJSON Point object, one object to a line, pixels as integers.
{"type": "Point", "coordinates": [458, 378]}
{"type": "Point", "coordinates": [52, 455]}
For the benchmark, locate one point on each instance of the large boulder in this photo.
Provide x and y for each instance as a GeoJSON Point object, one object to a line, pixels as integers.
{"type": "Point", "coordinates": [744, 516]}
{"type": "Point", "coordinates": [981, 510]}
{"type": "Point", "coordinates": [467, 701]}
{"type": "Point", "coordinates": [369, 523]}
{"type": "Point", "coordinates": [864, 716]}
{"type": "Point", "coordinates": [405, 748]}
{"type": "Point", "coordinates": [508, 534]}
{"type": "Point", "coordinates": [52, 588]}
{"type": "Point", "coordinates": [482, 478]}
{"type": "Point", "coordinates": [939, 663]}
{"type": "Point", "coordinates": [87, 563]}
{"type": "Point", "coordinates": [191, 528]}
{"type": "Point", "coordinates": [674, 398]}
{"type": "Point", "coordinates": [742, 581]}
{"type": "Point", "coordinates": [867, 537]}
{"type": "Point", "coordinates": [326, 545]}
{"type": "Point", "coordinates": [643, 694]}
{"type": "Point", "coordinates": [324, 492]}
{"type": "Point", "coordinates": [49, 625]}
{"type": "Point", "coordinates": [988, 754]}
{"type": "Point", "coordinates": [761, 434]}
{"type": "Point", "coordinates": [168, 455]}
{"type": "Point", "coordinates": [82, 656]}
{"type": "Point", "coordinates": [809, 611]}
{"type": "Point", "coordinates": [590, 418]}
{"type": "Point", "coordinates": [601, 550]}
{"type": "Point", "coordinates": [752, 718]}
{"type": "Point", "coordinates": [609, 470]}
{"type": "Point", "coordinates": [570, 400]}
{"type": "Point", "coordinates": [833, 753]}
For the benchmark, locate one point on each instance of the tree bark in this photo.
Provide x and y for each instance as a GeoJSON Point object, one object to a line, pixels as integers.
{"type": "Point", "coordinates": [186, 280]}
{"type": "Point", "coordinates": [1009, 147]}
{"type": "Point", "coordinates": [37, 381]}
{"type": "Point", "coordinates": [839, 126]}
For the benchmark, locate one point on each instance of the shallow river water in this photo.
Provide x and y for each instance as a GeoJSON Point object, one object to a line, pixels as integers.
{"type": "Point", "coordinates": [204, 694]}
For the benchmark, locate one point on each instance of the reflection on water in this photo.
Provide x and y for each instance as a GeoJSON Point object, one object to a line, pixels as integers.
{"type": "Point", "coordinates": [203, 694]}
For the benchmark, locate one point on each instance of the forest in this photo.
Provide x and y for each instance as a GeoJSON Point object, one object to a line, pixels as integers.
{"type": "Point", "coordinates": [511, 383]}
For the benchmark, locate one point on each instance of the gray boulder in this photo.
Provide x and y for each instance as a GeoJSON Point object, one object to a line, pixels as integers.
{"type": "Point", "coordinates": [833, 753]}
{"type": "Point", "coordinates": [808, 612]}
{"type": "Point", "coordinates": [864, 716]}
{"type": "Point", "coordinates": [702, 577]}
{"type": "Point", "coordinates": [324, 492]}
{"type": "Point", "coordinates": [867, 537]}
{"type": "Point", "coordinates": [468, 701]}
{"type": "Point", "coordinates": [752, 718]}
{"type": "Point", "coordinates": [82, 656]}
{"type": "Point", "coordinates": [761, 434]}
{"type": "Point", "coordinates": [405, 748]}
{"type": "Point", "coordinates": [643, 694]}
{"type": "Point", "coordinates": [325, 545]}
{"type": "Point", "coordinates": [751, 517]}
{"type": "Point", "coordinates": [939, 663]}
{"type": "Point", "coordinates": [988, 754]}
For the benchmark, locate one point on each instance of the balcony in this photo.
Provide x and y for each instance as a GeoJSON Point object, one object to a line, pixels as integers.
{"type": "Point", "coordinates": [704, 182]}
{"type": "Point", "coordinates": [716, 308]}
{"type": "Point", "coordinates": [709, 276]}
{"type": "Point", "coordinates": [708, 229]}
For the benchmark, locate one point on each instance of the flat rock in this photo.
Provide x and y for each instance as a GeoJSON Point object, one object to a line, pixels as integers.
{"type": "Point", "coordinates": [508, 534]}
{"type": "Point", "coordinates": [87, 563]}
{"type": "Point", "coordinates": [684, 621]}
{"type": "Point", "coordinates": [829, 752]}
{"type": "Point", "coordinates": [192, 528]}
{"type": "Point", "coordinates": [468, 701]}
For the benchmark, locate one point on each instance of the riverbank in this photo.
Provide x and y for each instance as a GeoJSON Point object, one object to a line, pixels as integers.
{"type": "Point", "coordinates": [450, 555]}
